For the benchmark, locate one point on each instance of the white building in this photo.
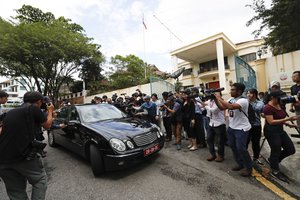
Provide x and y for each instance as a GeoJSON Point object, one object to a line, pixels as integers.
{"type": "Point", "coordinates": [215, 62]}
{"type": "Point", "coordinates": [15, 87]}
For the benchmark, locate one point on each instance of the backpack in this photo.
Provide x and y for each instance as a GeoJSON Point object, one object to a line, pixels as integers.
{"type": "Point", "coordinates": [250, 114]}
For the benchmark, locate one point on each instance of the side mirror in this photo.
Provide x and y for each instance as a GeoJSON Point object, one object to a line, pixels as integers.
{"type": "Point", "coordinates": [71, 125]}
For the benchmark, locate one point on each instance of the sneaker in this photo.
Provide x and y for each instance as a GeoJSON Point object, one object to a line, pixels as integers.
{"type": "Point", "coordinates": [189, 146]}
{"type": "Point", "coordinates": [245, 172]}
{"type": "Point", "coordinates": [219, 158]}
{"type": "Point", "coordinates": [237, 168]}
{"type": "Point", "coordinates": [178, 147]}
{"type": "Point", "coordinates": [211, 158]}
{"type": "Point", "coordinates": [193, 148]}
{"type": "Point", "coordinates": [279, 175]}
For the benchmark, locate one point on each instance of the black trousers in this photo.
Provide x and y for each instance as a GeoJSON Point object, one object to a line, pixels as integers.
{"type": "Point", "coordinates": [280, 143]}
{"type": "Point", "coordinates": [188, 129]}
{"type": "Point", "coordinates": [254, 137]}
{"type": "Point", "coordinates": [199, 129]}
{"type": "Point", "coordinates": [168, 127]}
{"type": "Point", "coordinates": [216, 136]}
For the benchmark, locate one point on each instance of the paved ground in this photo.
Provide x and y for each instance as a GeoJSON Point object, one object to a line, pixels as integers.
{"type": "Point", "coordinates": [170, 175]}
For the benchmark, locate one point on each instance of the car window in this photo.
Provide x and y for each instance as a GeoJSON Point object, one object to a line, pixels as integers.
{"type": "Point", "coordinates": [63, 113]}
{"type": "Point", "coordinates": [74, 114]}
{"type": "Point", "coordinates": [99, 112]}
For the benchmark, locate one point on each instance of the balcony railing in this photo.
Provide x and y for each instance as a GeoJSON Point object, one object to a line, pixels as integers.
{"type": "Point", "coordinates": [208, 69]}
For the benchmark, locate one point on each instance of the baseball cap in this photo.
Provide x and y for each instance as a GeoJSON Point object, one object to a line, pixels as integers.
{"type": "Point", "coordinates": [275, 83]}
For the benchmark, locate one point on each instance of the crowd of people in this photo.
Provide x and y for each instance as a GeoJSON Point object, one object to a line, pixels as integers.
{"type": "Point", "coordinates": [207, 120]}
{"type": "Point", "coordinates": [198, 115]}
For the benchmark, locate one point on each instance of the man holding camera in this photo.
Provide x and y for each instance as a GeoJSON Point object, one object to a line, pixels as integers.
{"type": "Point", "coordinates": [239, 127]}
{"type": "Point", "coordinates": [295, 90]}
{"type": "Point", "coordinates": [19, 158]}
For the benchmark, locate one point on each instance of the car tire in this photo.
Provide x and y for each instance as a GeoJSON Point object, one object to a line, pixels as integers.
{"type": "Point", "coordinates": [96, 160]}
{"type": "Point", "coordinates": [51, 139]}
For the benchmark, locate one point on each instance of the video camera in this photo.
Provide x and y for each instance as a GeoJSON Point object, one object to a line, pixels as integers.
{"type": "Point", "coordinates": [36, 148]}
{"type": "Point", "coordinates": [290, 99]}
{"type": "Point", "coordinates": [209, 93]}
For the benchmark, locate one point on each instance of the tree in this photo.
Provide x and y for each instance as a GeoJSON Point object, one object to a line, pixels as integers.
{"type": "Point", "coordinates": [282, 19]}
{"type": "Point", "coordinates": [47, 49]}
{"type": "Point", "coordinates": [127, 71]}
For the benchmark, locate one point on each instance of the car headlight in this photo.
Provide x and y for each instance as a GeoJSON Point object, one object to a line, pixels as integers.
{"type": "Point", "coordinates": [161, 133]}
{"type": "Point", "coordinates": [157, 133]}
{"type": "Point", "coordinates": [130, 144]}
{"type": "Point", "coordinates": [117, 144]}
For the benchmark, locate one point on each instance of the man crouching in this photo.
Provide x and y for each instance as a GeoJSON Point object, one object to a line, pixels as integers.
{"type": "Point", "coordinates": [19, 158]}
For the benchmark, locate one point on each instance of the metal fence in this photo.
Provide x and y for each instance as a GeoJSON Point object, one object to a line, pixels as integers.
{"type": "Point", "coordinates": [244, 73]}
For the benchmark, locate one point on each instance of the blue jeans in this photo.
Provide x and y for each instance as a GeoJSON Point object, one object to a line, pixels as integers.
{"type": "Point", "coordinates": [237, 140]}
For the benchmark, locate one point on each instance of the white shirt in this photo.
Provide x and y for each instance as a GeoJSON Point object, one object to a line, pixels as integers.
{"type": "Point", "coordinates": [237, 119]}
{"type": "Point", "coordinates": [216, 116]}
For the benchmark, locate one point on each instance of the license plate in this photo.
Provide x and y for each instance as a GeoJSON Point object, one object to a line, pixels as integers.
{"type": "Point", "coordinates": [151, 150]}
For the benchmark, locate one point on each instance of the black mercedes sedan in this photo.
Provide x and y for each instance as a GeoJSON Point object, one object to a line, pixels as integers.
{"type": "Point", "coordinates": [105, 135]}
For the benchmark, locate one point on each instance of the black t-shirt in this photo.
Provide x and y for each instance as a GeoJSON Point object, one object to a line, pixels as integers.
{"type": "Point", "coordinates": [294, 91]}
{"type": "Point", "coordinates": [18, 131]}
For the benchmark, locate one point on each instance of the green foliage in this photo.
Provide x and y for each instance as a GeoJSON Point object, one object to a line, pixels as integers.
{"type": "Point", "coordinates": [282, 19]}
{"type": "Point", "coordinates": [47, 49]}
{"type": "Point", "coordinates": [127, 71]}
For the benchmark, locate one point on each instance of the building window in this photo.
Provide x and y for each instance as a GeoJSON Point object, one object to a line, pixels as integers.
{"type": "Point", "coordinates": [249, 57]}
{"type": "Point", "coordinates": [187, 72]}
{"type": "Point", "coordinates": [22, 88]}
{"type": "Point", "coordinates": [211, 65]}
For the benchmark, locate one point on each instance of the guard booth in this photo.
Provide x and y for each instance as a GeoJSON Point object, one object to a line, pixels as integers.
{"type": "Point", "coordinates": [158, 86]}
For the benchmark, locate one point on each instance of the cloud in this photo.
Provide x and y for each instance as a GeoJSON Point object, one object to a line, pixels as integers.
{"type": "Point", "coordinates": [117, 25]}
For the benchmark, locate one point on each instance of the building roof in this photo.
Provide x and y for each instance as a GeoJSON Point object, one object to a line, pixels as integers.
{"type": "Point", "coordinates": [205, 49]}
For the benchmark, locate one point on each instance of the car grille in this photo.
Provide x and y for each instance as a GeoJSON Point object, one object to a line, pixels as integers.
{"type": "Point", "coordinates": [145, 139]}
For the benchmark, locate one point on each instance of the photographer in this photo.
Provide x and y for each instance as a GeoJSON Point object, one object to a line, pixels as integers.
{"type": "Point", "coordinates": [150, 110]}
{"type": "Point", "coordinates": [19, 161]}
{"type": "Point", "coordinates": [280, 143]}
{"type": "Point", "coordinates": [239, 126]}
{"type": "Point", "coordinates": [295, 90]}
{"type": "Point", "coordinates": [175, 108]}
{"type": "Point", "coordinates": [3, 99]}
{"type": "Point", "coordinates": [217, 130]}
{"type": "Point", "coordinates": [188, 121]}
{"type": "Point", "coordinates": [255, 131]}
{"type": "Point", "coordinates": [166, 116]}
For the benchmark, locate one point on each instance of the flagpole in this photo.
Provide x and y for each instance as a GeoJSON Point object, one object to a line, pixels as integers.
{"type": "Point", "coordinates": [144, 43]}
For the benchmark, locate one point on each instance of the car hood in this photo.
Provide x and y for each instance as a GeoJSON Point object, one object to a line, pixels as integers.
{"type": "Point", "coordinates": [121, 128]}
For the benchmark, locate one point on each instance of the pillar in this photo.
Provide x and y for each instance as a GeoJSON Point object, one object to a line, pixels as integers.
{"type": "Point", "coordinates": [221, 65]}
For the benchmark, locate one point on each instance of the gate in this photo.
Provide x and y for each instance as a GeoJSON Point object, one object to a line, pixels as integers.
{"type": "Point", "coordinates": [244, 73]}
{"type": "Point", "coordinates": [158, 86]}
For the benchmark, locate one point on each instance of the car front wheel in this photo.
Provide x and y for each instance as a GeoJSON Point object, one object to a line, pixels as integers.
{"type": "Point", "coordinates": [51, 139]}
{"type": "Point", "coordinates": [96, 160]}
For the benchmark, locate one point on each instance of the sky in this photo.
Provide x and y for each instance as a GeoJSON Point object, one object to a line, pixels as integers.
{"type": "Point", "coordinates": [117, 25]}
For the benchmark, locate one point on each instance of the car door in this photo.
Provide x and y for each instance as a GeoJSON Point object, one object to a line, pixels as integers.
{"type": "Point", "coordinates": [75, 128]}
{"type": "Point", "coordinates": [61, 118]}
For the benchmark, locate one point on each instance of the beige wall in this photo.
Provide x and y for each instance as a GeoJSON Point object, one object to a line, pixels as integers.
{"type": "Point", "coordinates": [281, 67]}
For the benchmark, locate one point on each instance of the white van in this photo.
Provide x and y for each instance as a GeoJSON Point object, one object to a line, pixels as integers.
{"type": "Point", "coordinates": [13, 102]}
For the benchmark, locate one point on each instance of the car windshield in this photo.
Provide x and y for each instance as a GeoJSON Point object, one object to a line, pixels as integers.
{"type": "Point", "coordinates": [99, 112]}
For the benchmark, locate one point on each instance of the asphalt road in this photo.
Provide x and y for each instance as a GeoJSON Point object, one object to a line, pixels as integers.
{"type": "Point", "coordinates": [169, 175]}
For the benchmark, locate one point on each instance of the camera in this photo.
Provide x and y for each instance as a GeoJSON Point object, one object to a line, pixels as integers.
{"type": "Point", "coordinates": [36, 147]}
{"type": "Point", "coordinates": [290, 99]}
{"type": "Point", "coordinates": [209, 93]}
{"type": "Point", "coordinates": [46, 102]}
